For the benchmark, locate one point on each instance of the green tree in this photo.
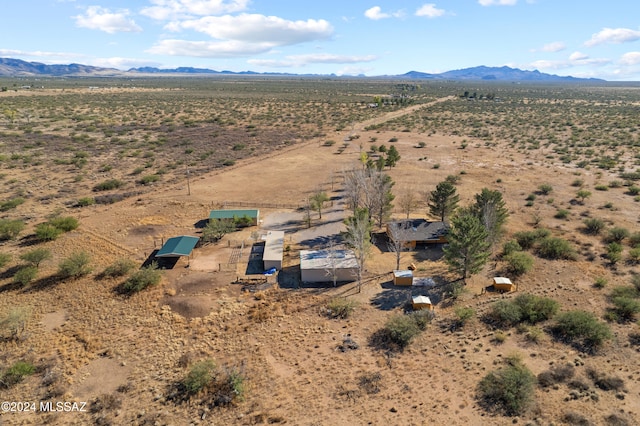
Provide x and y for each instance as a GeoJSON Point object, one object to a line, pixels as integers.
{"type": "Point", "coordinates": [10, 229]}
{"type": "Point", "coordinates": [216, 229]}
{"type": "Point", "coordinates": [393, 156]}
{"type": "Point", "coordinates": [358, 237]}
{"type": "Point", "coordinates": [75, 266]}
{"type": "Point", "coordinates": [25, 275]}
{"type": "Point", "coordinates": [37, 256]}
{"type": "Point", "coordinates": [492, 211]}
{"type": "Point", "coordinates": [468, 249]}
{"type": "Point", "coordinates": [583, 194]}
{"type": "Point", "coordinates": [47, 232]}
{"type": "Point", "coordinates": [443, 200]}
{"type": "Point", "coordinates": [317, 201]}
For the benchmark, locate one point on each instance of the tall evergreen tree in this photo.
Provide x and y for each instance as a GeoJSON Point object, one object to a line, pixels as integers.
{"type": "Point", "coordinates": [443, 200]}
{"type": "Point", "coordinates": [467, 250]}
{"type": "Point", "coordinates": [393, 156]}
{"type": "Point", "coordinates": [492, 212]}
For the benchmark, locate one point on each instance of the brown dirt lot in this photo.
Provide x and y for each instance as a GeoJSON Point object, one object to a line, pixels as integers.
{"type": "Point", "coordinates": [133, 348]}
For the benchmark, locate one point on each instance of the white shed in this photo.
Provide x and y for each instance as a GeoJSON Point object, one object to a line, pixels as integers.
{"type": "Point", "coordinates": [317, 266]}
{"type": "Point", "coordinates": [273, 250]}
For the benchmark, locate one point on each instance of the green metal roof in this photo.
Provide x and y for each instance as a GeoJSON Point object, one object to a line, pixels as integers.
{"type": "Point", "coordinates": [230, 214]}
{"type": "Point", "coordinates": [178, 246]}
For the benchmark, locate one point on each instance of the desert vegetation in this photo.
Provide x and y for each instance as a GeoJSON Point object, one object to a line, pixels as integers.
{"type": "Point", "coordinates": [538, 183]}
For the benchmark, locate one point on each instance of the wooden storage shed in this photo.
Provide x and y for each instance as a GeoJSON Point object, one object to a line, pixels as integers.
{"type": "Point", "coordinates": [421, 302]}
{"type": "Point", "coordinates": [503, 284]}
{"type": "Point", "coordinates": [403, 277]}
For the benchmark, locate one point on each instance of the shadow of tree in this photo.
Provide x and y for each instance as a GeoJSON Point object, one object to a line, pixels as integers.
{"type": "Point", "coordinates": [391, 297]}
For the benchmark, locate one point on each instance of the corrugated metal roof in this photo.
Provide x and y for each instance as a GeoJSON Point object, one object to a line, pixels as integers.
{"type": "Point", "coordinates": [230, 214]}
{"type": "Point", "coordinates": [325, 259]}
{"type": "Point", "coordinates": [178, 246]}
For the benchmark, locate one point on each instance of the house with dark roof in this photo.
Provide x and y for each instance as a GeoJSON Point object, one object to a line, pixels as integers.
{"type": "Point", "coordinates": [418, 231]}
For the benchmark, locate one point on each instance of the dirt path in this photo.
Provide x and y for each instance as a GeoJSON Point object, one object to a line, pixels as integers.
{"type": "Point", "coordinates": [358, 127]}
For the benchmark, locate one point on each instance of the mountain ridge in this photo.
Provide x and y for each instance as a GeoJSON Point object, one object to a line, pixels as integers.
{"type": "Point", "coordinates": [10, 67]}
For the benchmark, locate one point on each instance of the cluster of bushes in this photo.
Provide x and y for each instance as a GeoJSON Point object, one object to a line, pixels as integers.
{"type": "Point", "coordinates": [582, 329]}
{"type": "Point", "coordinates": [10, 204]}
{"type": "Point", "coordinates": [52, 229]}
{"type": "Point", "coordinates": [16, 373]}
{"type": "Point", "coordinates": [10, 229]}
{"type": "Point", "coordinates": [108, 185]}
{"type": "Point", "coordinates": [626, 303]}
{"type": "Point", "coordinates": [143, 278]}
{"type": "Point", "coordinates": [340, 308]}
{"type": "Point", "coordinates": [400, 330]}
{"type": "Point", "coordinates": [542, 242]}
{"type": "Point", "coordinates": [508, 390]}
{"type": "Point", "coordinates": [524, 308]}
{"type": "Point", "coordinates": [218, 387]}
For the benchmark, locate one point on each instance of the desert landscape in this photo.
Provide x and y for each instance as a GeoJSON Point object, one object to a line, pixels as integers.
{"type": "Point", "coordinates": [132, 162]}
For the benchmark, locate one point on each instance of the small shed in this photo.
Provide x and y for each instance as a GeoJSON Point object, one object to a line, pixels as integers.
{"type": "Point", "coordinates": [252, 215]}
{"type": "Point", "coordinates": [503, 284]}
{"type": "Point", "coordinates": [421, 302]}
{"type": "Point", "coordinates": [273, 250]}
{"type": "Point", "coordinates": [404, 278]}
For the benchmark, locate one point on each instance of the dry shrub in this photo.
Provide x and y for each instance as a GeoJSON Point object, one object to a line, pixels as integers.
{"type": "Point", "coordinates": [370, 382]}
{"type": "Point", "coordinates": [557, 374]}
{"type": "Point", "coordinates": [105, 402]}
{"type": "Point", "coordinates": [576, 419]}
{"type": "Point", "coordinates": [604, 382]}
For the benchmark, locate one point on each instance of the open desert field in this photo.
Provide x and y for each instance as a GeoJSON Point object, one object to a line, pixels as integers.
{"type": "Point", "coordinates": [136, 162]}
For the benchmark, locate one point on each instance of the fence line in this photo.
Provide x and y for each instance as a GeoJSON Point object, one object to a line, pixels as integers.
{"type": "Point", "coordinates": [259, 205]}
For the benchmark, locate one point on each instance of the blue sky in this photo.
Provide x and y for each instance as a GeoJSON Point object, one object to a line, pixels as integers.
{"type": "Point", "coordinates": [344, 37]}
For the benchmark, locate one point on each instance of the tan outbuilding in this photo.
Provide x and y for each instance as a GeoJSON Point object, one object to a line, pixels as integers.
{"type": "Point", "coordinates": [404, 278]}
{"type": "Point", "coordinates": [503, 284]}
{"type": "Point", "coordinates": [421, 302]}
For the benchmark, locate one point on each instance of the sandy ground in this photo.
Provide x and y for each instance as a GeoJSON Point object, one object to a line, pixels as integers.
{"type": "Point", "coordinates": [131, 348]}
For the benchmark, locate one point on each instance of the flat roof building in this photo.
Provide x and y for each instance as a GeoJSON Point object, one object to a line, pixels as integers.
{"type": "Point", "coordinates": [318, 266]}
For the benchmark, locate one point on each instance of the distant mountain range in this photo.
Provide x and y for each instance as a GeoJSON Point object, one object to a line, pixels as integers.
{"type": "Point", "coordinates": [17, 68]}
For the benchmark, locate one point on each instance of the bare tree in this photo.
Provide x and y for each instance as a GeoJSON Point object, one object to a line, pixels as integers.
{"type": "Point", "coordinates": [332, 268]}
{"type": "Point", "coordinates": [398, 237]}
{"type": "Point", "coordinates": [358, 237]}
{"type": "Point", "coordinates": [408, 201]}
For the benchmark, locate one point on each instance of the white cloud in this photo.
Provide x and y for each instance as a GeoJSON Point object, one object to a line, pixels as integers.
{"type": "Point", "coordinates": [209, 49]}
{"type": "Point", "coordinates": [172, 9]}
{"type": "Point", "coordinates": [574, 60]}
{"type": "Point", "coordinates": [312, 58]}
{"type": "Point", "coordinates": [99, 18]}
{"type": "Point", "coordinates": [375, 13]}
{"type": "Point", "coordinates": [613, 36]}
{"type": "Point", "coordinates": [123, 63]}
{"type": "Point", "coordinates": [36, 54]}
{"type": "Point", "coordinates": [260, 29]}
{"type": "Point", "coordinates": [430, 11]}
{"type": "Point", "coordinates": [630, 58]}
{"type": "Point", "coordinates": [578, 56]}
{"type": "Point", "coordinates": [497, 2]}
{"type": "Point", "coordinates": [555, 46]}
